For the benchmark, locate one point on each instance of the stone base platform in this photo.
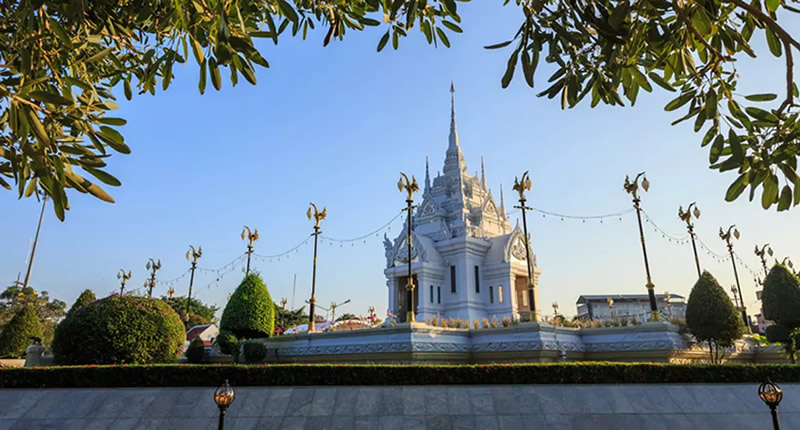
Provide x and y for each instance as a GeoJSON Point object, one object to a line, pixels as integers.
{"type": "Point", "coordinates": [525, 342]}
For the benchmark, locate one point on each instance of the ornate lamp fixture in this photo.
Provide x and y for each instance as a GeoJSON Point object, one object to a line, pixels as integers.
{"type": "Point", "coordinates": [153, 266]}
{"type": "Point", "coordinates": [772, 395]}
{"type": "Point", "coordinates": [733, 232]}
{"type": "Point", "coordinates": [632, 188]}
{"type": "Point", "coordinates": [191, 255]}
{"type": "Point", "coordinates": [251, 237]}
{"type": "Point", "coordinates": [410, 187]}
{"type": "Point", "coordinates": [520, 186]}
{"type": "Point", "coordinates": [318, 216]}
{"type": "Point", "coordinates": [223, 397]}
{"type": "Point", "coordinates": [123, 277]}
{"type": "Point", "coordinates": [687, 218]}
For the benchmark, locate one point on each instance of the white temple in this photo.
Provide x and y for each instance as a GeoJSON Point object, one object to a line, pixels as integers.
{"type": "Point", "coordinates": [467, 262]}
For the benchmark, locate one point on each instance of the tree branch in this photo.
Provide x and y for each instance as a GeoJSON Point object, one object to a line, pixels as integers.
{"type": "Point", "coordinates": [679, 12]}
{"type": "Point", "coordinates": [787, 40]}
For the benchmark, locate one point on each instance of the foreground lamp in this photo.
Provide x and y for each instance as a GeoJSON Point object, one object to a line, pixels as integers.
{"type": "Point", "coordinates": [771, 394]}
{"type": "Point", "coordinates": [410, 187]}
{"type": "Point", "coordinates": [632, 188]}
{"type": "Point", "coordinates": [223, 397]}
{"type": "Point", "coordinates": [520, 186]}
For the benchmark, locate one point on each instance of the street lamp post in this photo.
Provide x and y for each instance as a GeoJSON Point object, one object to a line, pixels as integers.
{"type": "Point", "coordinates": [335, 305]}
{"type": "Point", "coordinates": [410, 187]}
{"type": "Point", "coordinates": [318, 216]}
{"type": "Point", "coordinates": [35, 242]}
{"type": "Point", "coordinates": [772, 395]}
{"type": "Point", "coordinates": [192, 255]}
{"type": "Point", "coordinates": [520, 186]}
{"type": "Point", "coordinates": [687, 217]}
{"type": "Point", "coordinates": [726, 236]}
{"type": "Point", "coordinates": [668, 303]}
{"type": "Point", "coordinates": [223, 397]}
{"type": "Point", "coordinates": [123, 277]}
{"type": "Point", "coordinates": [251, 237]}
{"type": "Point", "coordinates": [153, 266]}
{"type": "Point", "coordinates": [735, 298]}
{"type": "Point", "coordinates": [762, 254]}
{"type": "Point", "coordinates": [632, 188]}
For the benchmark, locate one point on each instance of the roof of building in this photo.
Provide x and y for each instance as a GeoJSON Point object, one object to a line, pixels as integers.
{"type": "Point", "coordinates": [624, 297]}
{"type": "Point", "coordinates": [196, 331]}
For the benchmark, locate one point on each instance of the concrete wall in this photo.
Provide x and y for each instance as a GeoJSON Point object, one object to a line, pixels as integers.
{"type": "Point", "coordinates": [554, 407]}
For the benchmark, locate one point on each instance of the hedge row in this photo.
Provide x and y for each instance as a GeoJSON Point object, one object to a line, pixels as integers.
{"type": "Point", "coordinates": [171, 375]}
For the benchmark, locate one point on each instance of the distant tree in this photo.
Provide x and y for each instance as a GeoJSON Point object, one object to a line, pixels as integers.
{"type": "Point", "coordinates": [199, 312]}
{"type": "Point", "coordinates": [287, 318]}
{"type": "Point", "coordinates": [346, 316]}
{"type": "Point", "coordinates": [712, 317]}
{"type": "Point", "coordinates": [250, 312]}
{"type": "Point", "coordinates": [15, 297]}
{"type": "Point", "coordinates": [781, 303]}
{"type": "Point", "coordinates": [86, 297]}
{"type": "Point", "coordinates": [15, 337]}
{"type": "Point", "coordinates": [196, 350]}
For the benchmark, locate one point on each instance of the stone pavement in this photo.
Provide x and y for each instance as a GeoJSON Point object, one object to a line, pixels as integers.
{"type": "Point", "coordinates": [551, 407]}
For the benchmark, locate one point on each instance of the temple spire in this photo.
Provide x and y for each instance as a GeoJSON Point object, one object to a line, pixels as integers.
{"type": "Point", "coordinates": [454, 159]}
{"type": "Point", "coordinates": [483, 175]}
{"type": "Point", "coordinates": [427, 177]}
{"type": "Point", "coordinates": [502, 202]}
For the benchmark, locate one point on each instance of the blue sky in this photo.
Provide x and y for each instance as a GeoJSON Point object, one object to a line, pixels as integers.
{"type": "Point", "coordinates": [336, 125]}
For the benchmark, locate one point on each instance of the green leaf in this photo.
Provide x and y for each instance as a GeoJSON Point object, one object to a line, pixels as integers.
{"type": "Point", "coordinates": [772, 6]}
{"type": "Point", "coordinates": [127, 89]}
{"type": "Point", "coordinates": [201, 84]}
{"type": "Point", "coordinates": [99, 55]}
{"type": "Point", "coordinates": [770, 192]}
{"type": "Point", "coordinates": [736, 188]}
{"type": "Point", "coordinates": [112, 121]}
{"type": "Point", "coordinates": [498, 45]}
{"type": "Point", "coordinates": [103, 176]}
{"type": "Point", "coordinates": [512, 63]}
{"type": "Point", "coordinates": [197, 50]}
{"type": "Point", "coordinates": [383, 41]}
{"type": "Point", "coordinates": [216, 80]}
{"type": "Point", "coordinates": [679, 101]}
{"type": "Point", "coordinates": [737, 153]}
{"type": "Point", "coordinates": [450, 5]}
{"type": "Point", "coordinates": [773, 42]}
{"type": "Point", "coordinates": [52, 98]}
{"type": "Point", "coordinates": [660, 81]}
{"type": "Point", "coordinates": [452, 26]}
{"type": "Point", "coordinates": [36, 126]}
{"type": "Point", "coordinates": [443, 37]}
{"type": "Point", "coordinates": [761, 97]}
{"type": "Point", "coordinates": [716, 149]}
{"type": "Point", "coordinates": [113, 139]}
{"type": "Point", "coordinates": [287, 10]}
{"type": "Point", "coordinates": [701, 21]}
{"type": "Point", "coordinates": [785, 200]}
{"type": "Point", "coordinates": [761, 114]}
{"type": "Point", "coordinates": [60, 33]}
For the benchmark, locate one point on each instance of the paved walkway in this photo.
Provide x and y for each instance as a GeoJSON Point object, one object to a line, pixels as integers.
{"type": "Point", "coordinates": [551, 407]}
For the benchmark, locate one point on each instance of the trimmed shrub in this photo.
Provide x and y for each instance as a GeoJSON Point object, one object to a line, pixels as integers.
{"type": "Point", "coordinates": [86, 297]}
{"type": "Point", "coordinates": [120, 329]}
{"type": "Point", "coordinates": [711, 316]}
{"type": "Point", "coordinates": [196, 351]}
{"type": "Point", "coordinates": [15, 337]}
{"type": "Point", "coordinates": [250, 312]}
{"type": "Point", "coordinates": [781, 297]}
{"type": "Point", "coordinates": [209, 375]}
{"type": "Point", "coordinates": [228, 343]}
{"type": "Point", "coordinates": [781, 304]}
{"type": "Point", "coordinates": [254, 351]}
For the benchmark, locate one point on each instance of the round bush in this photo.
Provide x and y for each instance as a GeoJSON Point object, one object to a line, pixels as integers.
{"type": "Point", "coordinates": [120, 329]}
{"type": "Point", "coordinates": [16, 335]}
{"type": "Point", "coordinates": [254, 351]}
{"type": "Point", "coordinates": [196, 351]}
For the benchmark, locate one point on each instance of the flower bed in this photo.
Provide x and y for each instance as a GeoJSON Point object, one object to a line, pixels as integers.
{"type": "Point", "coordinates": [172, 375]}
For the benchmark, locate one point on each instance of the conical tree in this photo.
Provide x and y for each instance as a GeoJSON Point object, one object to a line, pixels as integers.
{"type": "Point", "coordinates": [86, 297]}
{"type": "Point", "coordinates": [781, 303]}
{"type": "Point", "coordinates": [15, 337]}
{"type": "Point", "coordinates": [250, 312]}
{"type": "Point", "coordinates": [711, 316]}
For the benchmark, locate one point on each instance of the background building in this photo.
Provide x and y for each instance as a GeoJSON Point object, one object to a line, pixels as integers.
{"type": "Point", "coordinates": [596, 307]}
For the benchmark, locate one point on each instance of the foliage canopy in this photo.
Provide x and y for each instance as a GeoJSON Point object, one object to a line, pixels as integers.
{"type": "Point", "coordinates": [86, 297]}
{"type": "Point", "coordinates": [62, 60]}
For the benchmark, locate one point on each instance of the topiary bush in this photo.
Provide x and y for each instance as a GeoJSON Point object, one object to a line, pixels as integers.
{"type": "Point", "coordinates": [250, 312]}
{"type": "Point", "coordinates": [86, 297]}
{"type": "Point", "coordinates": [711, 316]}
{"type": "Point", "coordinates": [781, 303]}
{"type": "Point", "coordinates": [120, 329]}
{"type": "Point", "coordinates": [196, 351]}
{"type": "Point", "coordinates": [16, 334]}
{"type": "Point", "coordinates": [254, 351]}
{"type": "Point", "coordinates": [228, 344]}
